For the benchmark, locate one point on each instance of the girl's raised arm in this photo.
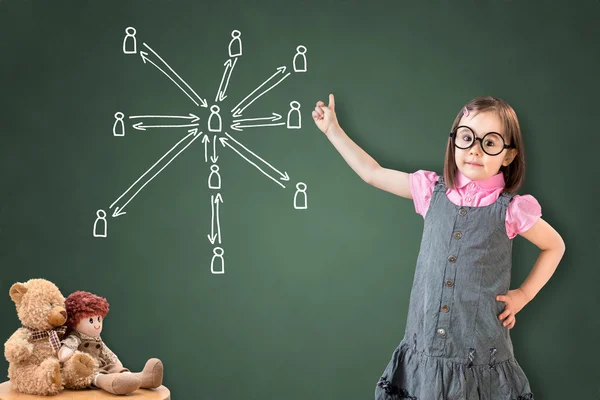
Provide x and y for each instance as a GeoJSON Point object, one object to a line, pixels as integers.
{"type": "Point", "coordinates": [390, 180]}
{"type": "Point", "coordinates": [364, 165]}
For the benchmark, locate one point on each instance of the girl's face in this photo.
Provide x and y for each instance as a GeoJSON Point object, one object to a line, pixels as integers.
{"type": "Point", "coordinates": [474, 163]}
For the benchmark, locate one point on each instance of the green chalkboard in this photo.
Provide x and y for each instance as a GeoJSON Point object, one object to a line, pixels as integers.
{"type": "Point", "coordinates": [116, 179]}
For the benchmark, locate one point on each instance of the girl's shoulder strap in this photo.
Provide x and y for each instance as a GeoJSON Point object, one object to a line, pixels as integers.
{"type": "Point", "coordinates": [440, 184]}
{"type": "Point", "coordinates": [505, 198]}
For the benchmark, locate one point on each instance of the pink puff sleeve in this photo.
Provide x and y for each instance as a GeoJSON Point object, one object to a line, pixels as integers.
{"type": "Point", "coordinates": [522, 213]}
{"type": "Point", "coordinates": [421, 188]}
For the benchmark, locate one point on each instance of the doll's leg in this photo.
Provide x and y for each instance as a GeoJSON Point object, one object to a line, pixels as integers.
{"type": "Point", "coordinates": [43, 379]}
{"type": "Point", "coordinates": [152, 374]}
{"type": "Point", "coordinates": [78, 371]}
{"type": "Point", "coordinates": [117, 383]}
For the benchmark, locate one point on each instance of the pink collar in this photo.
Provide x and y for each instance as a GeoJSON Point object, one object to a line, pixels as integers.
{"type": "Point", "coordinates": [493, 182]}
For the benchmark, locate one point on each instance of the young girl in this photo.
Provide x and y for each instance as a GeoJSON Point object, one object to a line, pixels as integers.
{"type": "Point", "coordinates": [457, 344]}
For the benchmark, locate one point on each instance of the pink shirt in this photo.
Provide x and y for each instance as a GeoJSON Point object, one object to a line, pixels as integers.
{"type": "Point", "coordinates": [521, 214]}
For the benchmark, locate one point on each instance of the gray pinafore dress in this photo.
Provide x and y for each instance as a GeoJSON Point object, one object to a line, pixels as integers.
{"type": "Point", "coordinates": [454, 346]}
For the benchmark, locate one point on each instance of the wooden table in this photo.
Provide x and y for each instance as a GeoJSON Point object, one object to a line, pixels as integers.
{"type": "Point", "coordinates": [160, 393]}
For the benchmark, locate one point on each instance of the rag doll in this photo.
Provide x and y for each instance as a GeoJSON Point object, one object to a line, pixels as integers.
{"type": "Point", "coordinates": [86, 313]}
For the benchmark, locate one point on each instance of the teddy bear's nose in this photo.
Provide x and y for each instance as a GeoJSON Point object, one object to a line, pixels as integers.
{"type": "Point", "coordinates": [63, 313]}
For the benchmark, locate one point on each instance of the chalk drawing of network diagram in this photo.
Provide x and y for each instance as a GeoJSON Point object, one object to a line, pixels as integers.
{"type": "Point", "coordinates": [214, 127]}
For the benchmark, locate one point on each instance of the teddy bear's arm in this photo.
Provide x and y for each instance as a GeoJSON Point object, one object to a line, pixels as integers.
{"type": "Point", "coordinates": [18, 348]}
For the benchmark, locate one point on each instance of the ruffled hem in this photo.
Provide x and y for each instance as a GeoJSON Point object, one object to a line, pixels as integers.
{"type": "Point", "coordinates": [414, 375]}
{"type": "Point", "coordinates": [393, 390]}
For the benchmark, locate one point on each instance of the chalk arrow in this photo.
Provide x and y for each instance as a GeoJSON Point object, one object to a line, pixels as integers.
{"type": "Point", "coordinates": [214, 157]}
{"type": "Point", "coordinates": [205, 140]}
{"type": "Point", "coordinates": [118, 211]}
{"type": "Point", "coordinates": [229, 66]}
{"type": "Point", "coordinates": [190, 116]}
{"type": "Point", "coordinates": [214, 202]}
{"type": "Point", "coordinates": [273, 117]}
{"type": "Point", "coordinates": [141, 127]}
{"type": "Point", "coordinates": [237, 111]}
{"type": "Point", "coordinates": [212, 238]}
{"type": "Point", "coordinates": [282, 176]}
{"type": "Point", "coordinates": [238, 127]}
{"type": "Point", "coordinates": [145, 58]}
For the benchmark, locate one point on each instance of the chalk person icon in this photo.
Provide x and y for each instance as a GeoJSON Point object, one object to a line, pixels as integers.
{"type": "Point", "coordinates": [217, 267]}
{"type": "Point", "coordinates": [235, 45]}
{"type": "Point", "coordinates": [214, 178]}
{"type": "Point", "coordinates": [300, 59]}
{"type": "Point", "coordinates": [293, 116]}
{"type": "Point", "coordinates": [129, 42]}
{"type": "Point", "coordinates": [214, 120]}
{"type": "Point", "coordinates": [100, 224]}
{"type": "Point", "coordinates": [119, 126]}
{"type": "Point", "coordinates": [300, 199]}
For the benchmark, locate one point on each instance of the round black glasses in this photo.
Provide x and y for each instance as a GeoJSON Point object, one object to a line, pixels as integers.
{"type": "Point", "coordinates": [492, 143]}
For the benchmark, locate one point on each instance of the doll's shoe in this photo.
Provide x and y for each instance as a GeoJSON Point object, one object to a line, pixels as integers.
{"type": "Point", "coordinates": [118, 383]}
{"type": "Point", "coordinates": [152, 374]}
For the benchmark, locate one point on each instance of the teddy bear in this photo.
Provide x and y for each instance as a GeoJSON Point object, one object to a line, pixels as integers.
{"type": "Point", "coordinates": [86, 313]}
{"type": "Point", "coordinates": [31, 352]}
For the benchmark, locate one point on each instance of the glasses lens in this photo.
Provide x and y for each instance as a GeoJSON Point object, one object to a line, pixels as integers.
{"type": "Point", "coordinates": [493, 144]}
{"type": "Point", "coordinates": [464, 137]}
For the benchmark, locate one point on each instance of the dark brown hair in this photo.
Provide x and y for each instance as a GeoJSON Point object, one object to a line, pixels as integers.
{"type": "Point", "coordinates": [514, 173]}
{"type": "Point", "coordinates": [81, 305]}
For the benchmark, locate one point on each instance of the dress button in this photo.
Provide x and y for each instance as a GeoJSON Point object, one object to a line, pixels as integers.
{"type": "Point", "coordinates": [468, 199]}
{"type": "Point", "coordinates": [449, 283]}
{"type": "Point", "coordinates": [457, 235]}
{"type": "Point", "coordinates": [452, 259]}
{"type": "Point", "coordinates": [441, 332]}
{"type": "Point", "coordinates": [472, 185]}
{"type": "Point", "coordinates": [462, 212]}
{"type": "Point", "coordinates": [445, 308]}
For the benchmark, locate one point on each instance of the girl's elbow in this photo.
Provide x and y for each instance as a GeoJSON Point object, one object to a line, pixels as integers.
{"type": "Point", "coordinates": [368, 175]}
{"type": "Point", "coordinates": [559, 247]}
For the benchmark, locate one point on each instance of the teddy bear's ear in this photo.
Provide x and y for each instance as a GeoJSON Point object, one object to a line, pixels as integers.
{"type": "Point", "coordinates": [17, 291]}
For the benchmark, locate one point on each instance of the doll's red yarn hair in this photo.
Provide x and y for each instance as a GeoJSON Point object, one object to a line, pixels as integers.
{"type": "Point", "coordinates": [81, 305]}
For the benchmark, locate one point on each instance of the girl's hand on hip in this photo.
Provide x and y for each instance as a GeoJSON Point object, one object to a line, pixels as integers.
{"type": "Point", "coordinates": [513, 301]}
{"type": "Point", "coordinates": [324, 116]}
